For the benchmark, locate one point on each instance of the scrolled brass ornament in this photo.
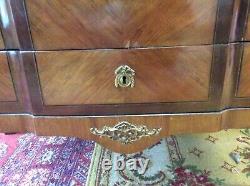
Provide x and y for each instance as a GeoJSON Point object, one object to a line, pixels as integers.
{"type": "Point", "coordinates": [124, 77]}
{"type": "Point", "coordinates": [125, 132]}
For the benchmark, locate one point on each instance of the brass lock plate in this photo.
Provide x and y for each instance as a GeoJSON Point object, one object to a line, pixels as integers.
{"type": "Point", "coordinates": [124, 77]}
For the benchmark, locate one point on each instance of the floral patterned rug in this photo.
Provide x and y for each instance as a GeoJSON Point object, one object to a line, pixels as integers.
{"type": "Point", "coordinates": [198, 159]}
{"type": "Point", "coordinates": [27, 160]}
{"type": "Point", "coordinates": [186, 160]}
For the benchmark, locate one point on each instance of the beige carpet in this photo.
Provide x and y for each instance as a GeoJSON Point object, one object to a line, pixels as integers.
{"type": "Point", "coordinates": [197, 159]}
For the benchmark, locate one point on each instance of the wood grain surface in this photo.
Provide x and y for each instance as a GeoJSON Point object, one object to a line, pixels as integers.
{"type": "Point", "coordinates": [80, 127]}
{"type": "Point", "coordinates": [15, 28]}
{"type": "Point", "coordinates": [14, 96]}
{"type": "Point", "coordinates": [239, 21]}
{"type": "Point", "coordinates": [7, 92]}
{"type": "Point", "coordinates": [1, 41]}
{"type": "Point", "coordinates": [162, 75]}
{"type": "Point", "coordinates": [60, 24]}
{"type": "Point", "coordinates": [171, 124]}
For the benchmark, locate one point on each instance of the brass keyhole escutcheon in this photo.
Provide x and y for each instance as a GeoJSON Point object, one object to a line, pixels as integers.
{"type": "Point", "coordinates": [124, 76]}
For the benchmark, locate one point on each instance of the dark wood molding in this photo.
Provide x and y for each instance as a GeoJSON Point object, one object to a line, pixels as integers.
{"type": "Point", "coordinates": [32, 80]}
{"type": "Point", "coordinates": [246, 25]}
{"type": "Point", "coordinates": [218, 70]}
{"type": "Point", "coordinates": [223, 21]}
{"type": "Point", "coordinates": [15, 27]}
{"type": "Point", "coordinates": [232, 75]}
{"type": "Point", "coordinates": [239, 21]}
{"type": "Point", "coordinates": [238, 57]}
{"type": "Point", "coordinates": [236, 100]}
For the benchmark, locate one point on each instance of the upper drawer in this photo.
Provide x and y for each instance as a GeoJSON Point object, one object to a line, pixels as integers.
{"type": "Point", "coordinates": [161, 75]}
{"type": "Point", "coordinates": [7, 92]}
{"type": "Point", "coordinates": [77, 24]}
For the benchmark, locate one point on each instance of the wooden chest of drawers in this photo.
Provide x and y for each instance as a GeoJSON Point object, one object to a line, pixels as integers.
{"type": "Point", "coordinates": [124, 73]}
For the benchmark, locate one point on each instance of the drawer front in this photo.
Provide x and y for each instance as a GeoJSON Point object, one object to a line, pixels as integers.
{"type": "Point", "coordinates": [76, 24]}
{"type": "Point", "coordinates": [7, 92]}
{"type": "Point", "coordinates": [161, 75]}
{"type": "Point", "coordinates": [244, 79]}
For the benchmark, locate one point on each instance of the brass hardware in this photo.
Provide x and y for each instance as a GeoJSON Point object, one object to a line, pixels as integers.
{"type": "Point", "coordinates": [125, 132]}
{"type": "Point", "coordinates": [124, 76]}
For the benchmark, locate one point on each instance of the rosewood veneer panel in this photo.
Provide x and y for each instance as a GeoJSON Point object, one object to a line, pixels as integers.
{"type": "Point", "coordinates": [162, 75]}
{"type": "Point", "coordinates": [7, 92]}
{"type": "Point", "coordinates": [76, 24]}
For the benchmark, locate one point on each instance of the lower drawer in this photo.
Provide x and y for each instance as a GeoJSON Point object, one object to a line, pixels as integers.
{"type": "Point", "coordinates": [125, 76]}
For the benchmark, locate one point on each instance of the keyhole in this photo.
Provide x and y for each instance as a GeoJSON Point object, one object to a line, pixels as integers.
{"type": "Point", "coordinates": [124, 80]}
